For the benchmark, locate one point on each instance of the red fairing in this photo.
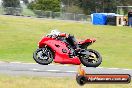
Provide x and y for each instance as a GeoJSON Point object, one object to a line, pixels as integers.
{"type": "Point", "coordinates": [87, 41]}
{"type": "Point", "coordinates": [58, 47]}
{"type": "Point", "coordinates": [43, 40]}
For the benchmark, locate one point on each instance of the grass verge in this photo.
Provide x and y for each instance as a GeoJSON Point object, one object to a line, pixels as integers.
{"type": "Point", "coordinates": [42, 82]}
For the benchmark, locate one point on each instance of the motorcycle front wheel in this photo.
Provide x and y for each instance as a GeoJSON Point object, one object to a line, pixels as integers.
{"type": "Point", "coordinates": [43, 56]}
{"type": "Point", "coordinates": [92, 60]}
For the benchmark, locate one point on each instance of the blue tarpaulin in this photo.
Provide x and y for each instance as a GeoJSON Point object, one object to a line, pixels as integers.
{"type": "Point", "coordinates": [99, 18]}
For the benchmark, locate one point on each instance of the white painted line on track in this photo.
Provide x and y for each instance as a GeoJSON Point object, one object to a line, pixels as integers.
{"type": "Point", "coordinates": [3, 62]}
{"type": "Point", "coordinates": [29, 63]}
{"type": "Point", "coordinates": [61, 71]}
{"type": "Point", "coordinates": [127, 69]}
{"type": "Point", "coordinates": [60, 64]}
{"type": "Point", "coordinates": [119, 69]}
{"type": "Point", "coordinates": [99, 67]}
{"type": "Point", "coordinates": [114, 68]}
{"type": "Point", "coordinates": [53, 70]}
{"type": "Point", "coordinates": [15, 62]}
{"type": "Point", "coordinates": [34, 69]}
{"type": "Point", "coordinates": [71, 71]}
{"type": "Point", "coordinates": [51, 64]}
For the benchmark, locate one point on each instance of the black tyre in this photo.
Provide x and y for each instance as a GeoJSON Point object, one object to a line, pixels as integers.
{"type": "Point", "coordinates": [92, 60]}
{"type": "Point", "coordinates": [43, 56]}
{"type": "Point", "coordinates": [81, 80]}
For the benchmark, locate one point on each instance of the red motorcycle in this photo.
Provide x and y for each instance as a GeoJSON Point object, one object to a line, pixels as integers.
{"type": "Point", "coordinates": [63, 48]}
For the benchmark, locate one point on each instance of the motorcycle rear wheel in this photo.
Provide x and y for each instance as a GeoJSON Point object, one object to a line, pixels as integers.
{"type": "Point", "coordinates": [89, 61]}
{"type": "Point", "coordinates": [43, 56]}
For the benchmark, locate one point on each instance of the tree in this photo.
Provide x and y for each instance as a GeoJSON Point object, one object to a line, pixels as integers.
{"type": "Point", "coordinates": [90, 6]}
{"type": "Point", "coordinates": [74, 9]}
{"type": "Point", "coordinates": [26, 1]}
{"type": "Point", "coordinates": [11, 3]}
{"type": "Point", "coordinates": [45, 5]}
{"type": "Point", "coordinates": [71, 6]}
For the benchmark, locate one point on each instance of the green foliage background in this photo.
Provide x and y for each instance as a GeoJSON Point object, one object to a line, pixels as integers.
{"type": "Point", "coordinates": [11, 3]}
{"type": "Point", "coordinates": [45, 5]}
{"type": "Point", "coordinates": [90, 6]}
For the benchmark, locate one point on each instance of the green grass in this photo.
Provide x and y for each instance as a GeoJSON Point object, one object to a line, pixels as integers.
{"type": "Point", "coordinates": [43, 82]}
{"type": "Point", "coordinates": [19, 37]}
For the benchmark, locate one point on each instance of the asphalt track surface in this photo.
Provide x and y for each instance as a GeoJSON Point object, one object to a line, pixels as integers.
{"type": "Point", "coordinates": [54, 70]}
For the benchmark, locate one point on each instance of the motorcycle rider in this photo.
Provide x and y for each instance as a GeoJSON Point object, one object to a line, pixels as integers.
{"type": "Point", "coordinates": [69, 38]}
{"type": "Point", "coordinates": [54, 32]}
